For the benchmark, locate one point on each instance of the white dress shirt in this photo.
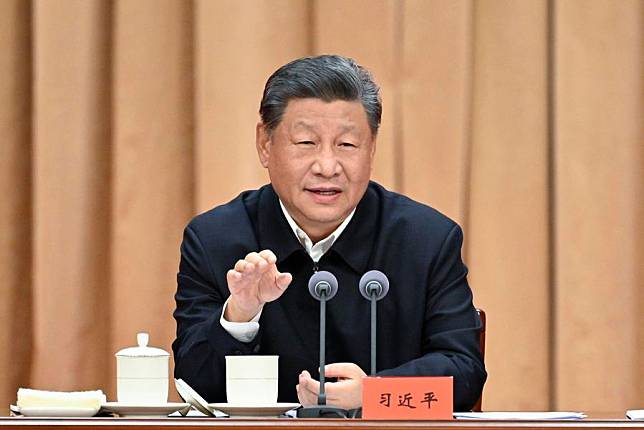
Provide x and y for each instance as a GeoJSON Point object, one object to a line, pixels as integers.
{"type": "Point", "coordinates": [246, 331]}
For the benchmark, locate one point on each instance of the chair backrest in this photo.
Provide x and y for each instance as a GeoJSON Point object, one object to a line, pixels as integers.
{"type": "Point", "coordinates": [481, 312]}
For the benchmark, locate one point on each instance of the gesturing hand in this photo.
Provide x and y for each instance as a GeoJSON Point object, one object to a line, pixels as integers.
{"type": "Point", "coordinates": [345, 394]}
{"type": "Point", "coordinates": [254, 281]}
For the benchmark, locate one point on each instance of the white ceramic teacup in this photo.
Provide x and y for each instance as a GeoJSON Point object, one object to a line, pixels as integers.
{"type": "Point", "coordinates": [251, 379]}
{"type": "Point", "coordinates": [142, 374]}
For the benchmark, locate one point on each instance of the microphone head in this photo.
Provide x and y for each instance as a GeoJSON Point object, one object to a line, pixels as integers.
{"type": "Point", "coordinates": [374, 284]}
{"type": "Point", "coordinates": [323, 282]}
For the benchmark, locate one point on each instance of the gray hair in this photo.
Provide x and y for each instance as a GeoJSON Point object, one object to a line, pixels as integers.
{"type": "Point", "coordinates": [325, 77]}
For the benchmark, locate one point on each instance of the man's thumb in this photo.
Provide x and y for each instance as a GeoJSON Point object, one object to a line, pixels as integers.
{"type": "Point", "coordinates": [283, 280]}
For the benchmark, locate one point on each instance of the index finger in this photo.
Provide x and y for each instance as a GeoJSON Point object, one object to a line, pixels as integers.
{"type": "Point", "coordinates": [268, 255]}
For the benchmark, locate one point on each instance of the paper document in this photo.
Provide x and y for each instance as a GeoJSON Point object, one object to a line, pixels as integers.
{"type": "Point", "coordinates": [636, 414]}
{"type": "Point", "coordinates": [534, 416]}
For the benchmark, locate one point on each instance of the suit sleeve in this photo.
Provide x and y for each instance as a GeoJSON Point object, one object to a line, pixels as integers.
{"type": "Point", "coordinates": [202, 343]}
{"type": "Point", "coordinates": [451, 329]}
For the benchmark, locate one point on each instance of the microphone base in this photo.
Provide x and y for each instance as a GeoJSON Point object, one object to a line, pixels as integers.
{"type": "Point", "coordinates": [322, 411]}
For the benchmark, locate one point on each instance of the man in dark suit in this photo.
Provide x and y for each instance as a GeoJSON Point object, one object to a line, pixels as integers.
{"type": "Point", "coordinates": [245, 265]}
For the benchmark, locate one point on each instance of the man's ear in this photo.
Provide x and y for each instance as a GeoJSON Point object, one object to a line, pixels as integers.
{"type": "Point", "coordinates": [262, 143]}
{"type": "Point", "coordinates": [373, 147]}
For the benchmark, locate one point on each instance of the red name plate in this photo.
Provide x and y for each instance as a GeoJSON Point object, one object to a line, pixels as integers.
{"type": "Point", "coordinates": [408, 398]}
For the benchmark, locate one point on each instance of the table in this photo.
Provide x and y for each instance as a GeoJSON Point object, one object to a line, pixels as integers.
{"type": "Point", "coordinates": [595, 422]}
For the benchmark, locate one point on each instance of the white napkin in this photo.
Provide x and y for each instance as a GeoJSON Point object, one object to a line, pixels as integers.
{"type": "Point", "coordinates": [28, 398]}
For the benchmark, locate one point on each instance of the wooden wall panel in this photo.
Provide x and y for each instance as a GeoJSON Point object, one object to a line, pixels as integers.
{"type": "Point", "coordinates": [599, 155]}
{"type": "Point", "coordinates": [153, 165]}
{"type": "Point", "coordinates": [232, 66]}
{"type": "Point", "coordinates": [508, 206]}
{"type": "Point", "coordinates": [369, 32]}
{"type": "Point", "coordinates": [435, 103]}
{"type": "Point", "coordinates": [71, 193]}
{"type": "Point", "coordinates": [15, 204]}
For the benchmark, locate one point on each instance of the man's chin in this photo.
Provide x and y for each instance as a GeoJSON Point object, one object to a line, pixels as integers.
{"type": "Point", "coordinates": [327, 222]}
{"type": "Point", "coordinates": [325, 215]}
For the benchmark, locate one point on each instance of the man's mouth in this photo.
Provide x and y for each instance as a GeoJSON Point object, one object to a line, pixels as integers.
{"type": "Point", "coordinates": [324, 191]}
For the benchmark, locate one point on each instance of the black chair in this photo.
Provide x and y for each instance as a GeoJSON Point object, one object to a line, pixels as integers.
{"type": "Point", "coordinates": [481, 312]}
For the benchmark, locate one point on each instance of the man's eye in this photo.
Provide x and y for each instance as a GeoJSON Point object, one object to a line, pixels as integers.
{"type": "Point", "coordinates": [305, 142]}
{"type": "Point", "coordinates": [348, 145]}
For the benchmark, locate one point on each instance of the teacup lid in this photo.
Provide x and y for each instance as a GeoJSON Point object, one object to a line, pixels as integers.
{"type": "Point", "coordinates": [143, 350]}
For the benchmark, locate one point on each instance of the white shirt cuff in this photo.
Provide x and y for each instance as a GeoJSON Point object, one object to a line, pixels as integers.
{"type": "Point", "coordinates": [242, 331]}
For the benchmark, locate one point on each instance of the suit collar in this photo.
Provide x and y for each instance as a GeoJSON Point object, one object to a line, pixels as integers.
{"type": "Point", "coordinates": [355, 244]}
{"type": "Point", "coordinates": [273, 230]}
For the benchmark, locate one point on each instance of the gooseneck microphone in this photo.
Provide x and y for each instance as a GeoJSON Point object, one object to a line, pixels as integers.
{"type": "Point", "coordinates": [373, 286]}
{"type": "Point", "coordinates": [323, 286]}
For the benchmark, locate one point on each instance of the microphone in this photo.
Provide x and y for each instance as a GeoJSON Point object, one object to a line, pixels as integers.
{"type": "Point", "coordinates": [323, 286]}
{"type": "Point", "coordinates": [373, 286]}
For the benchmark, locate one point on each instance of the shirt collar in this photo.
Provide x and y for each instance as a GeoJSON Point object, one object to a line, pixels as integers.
{"type": "Point", "coordinates": [317, 250]}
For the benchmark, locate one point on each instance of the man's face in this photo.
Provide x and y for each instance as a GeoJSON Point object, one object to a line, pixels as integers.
{"type": "Point", "coordinates": [319, 161]}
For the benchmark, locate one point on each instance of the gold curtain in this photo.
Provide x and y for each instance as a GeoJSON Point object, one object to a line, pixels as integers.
{"type": "Point", "coordinates": [521, 119]}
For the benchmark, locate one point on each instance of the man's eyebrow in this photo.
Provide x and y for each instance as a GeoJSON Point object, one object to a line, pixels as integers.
{"type": "Point", "coordinates": [302, 123]}
{"type": "Point", "coordinates": [348, 127]}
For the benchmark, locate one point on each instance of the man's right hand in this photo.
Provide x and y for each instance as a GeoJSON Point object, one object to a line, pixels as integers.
{"type": "Point", "coordinates": [254, 281]}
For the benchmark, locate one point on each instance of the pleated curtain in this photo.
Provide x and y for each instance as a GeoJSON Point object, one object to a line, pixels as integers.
{"type": "Point", "coordinates": [520, 119]}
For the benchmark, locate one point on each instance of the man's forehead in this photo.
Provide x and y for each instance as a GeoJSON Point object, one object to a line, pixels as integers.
{"type": "Point", "coordinates": [306, 113]}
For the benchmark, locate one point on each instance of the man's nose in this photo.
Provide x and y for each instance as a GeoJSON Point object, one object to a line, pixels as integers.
{"type": "Point", "coordinates": [326, 163]}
